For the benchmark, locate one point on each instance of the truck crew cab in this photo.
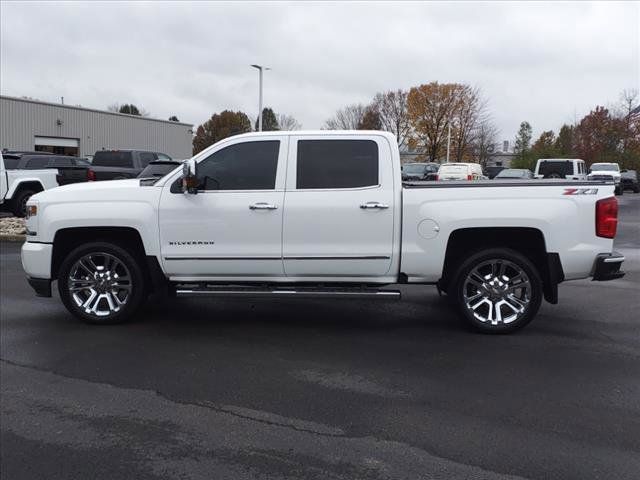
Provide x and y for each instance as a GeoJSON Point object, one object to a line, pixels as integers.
{"type": "Point", "coordinates": [319, 214]}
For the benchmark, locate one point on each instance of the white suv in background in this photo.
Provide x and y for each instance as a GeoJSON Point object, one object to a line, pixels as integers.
{"type": "Point", "coordinates": [568, 168]}
{"type": "Point", "coordinates": [460, 171]}
{"type": "Point", "coordinates": [607, 171]}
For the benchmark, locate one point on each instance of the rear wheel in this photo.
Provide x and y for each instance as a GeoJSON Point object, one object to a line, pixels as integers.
{"type": "Point", "coordinates": [19, 206]}
{"type": "Point", "coordinates": [101, 283]}
{"type": "Point", "coordinates": [498, 290]}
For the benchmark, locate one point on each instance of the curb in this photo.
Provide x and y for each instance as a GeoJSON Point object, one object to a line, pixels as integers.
{"type": "Point", "coordinates": [12, 238]}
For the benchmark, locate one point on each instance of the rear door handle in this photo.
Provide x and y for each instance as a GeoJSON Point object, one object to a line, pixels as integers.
{"type": "Point", "coordinates": [262, 206]}
{"type": "Point", "coordinates": [374, 205]}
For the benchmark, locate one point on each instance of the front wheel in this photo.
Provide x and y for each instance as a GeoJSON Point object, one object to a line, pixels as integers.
{"type": "Point", "coordinates": [101, 283]}
{"type": "Point", "coordinates": [498, 290]}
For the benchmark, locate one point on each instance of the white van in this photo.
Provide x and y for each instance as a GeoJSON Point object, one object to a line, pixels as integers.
{"type": "Point", "coordinates": [569, 168]}
{"type": "Point", "coordinates": [460, 171]}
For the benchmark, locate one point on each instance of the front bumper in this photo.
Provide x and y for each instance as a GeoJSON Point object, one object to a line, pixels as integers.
{"type": "Point", "coordinates": [36, 259]}
{"type": "Point", "coordinates": [607, 266]}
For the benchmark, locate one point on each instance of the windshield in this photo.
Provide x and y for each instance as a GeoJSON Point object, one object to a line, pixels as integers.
{"type": "Point", "coordinates": [512, 173]}
{"type": "Point", "coordinates": [605, 167]}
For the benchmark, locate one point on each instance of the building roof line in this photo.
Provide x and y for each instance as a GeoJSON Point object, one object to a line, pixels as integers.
{"type": "Point", "coordinates": [95, 110]}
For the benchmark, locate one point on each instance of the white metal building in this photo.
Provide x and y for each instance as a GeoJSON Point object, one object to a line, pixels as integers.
{"type": "Point", "coordinates": [68, 130]}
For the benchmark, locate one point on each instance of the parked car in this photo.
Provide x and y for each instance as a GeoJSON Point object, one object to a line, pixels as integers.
{"type": "Point", "coordinates": [629, 180]}
{"type": "Point", "coordinates": [607, 171]}
{"type": "Point", "coordinates": [159, 168]}
{"type": "Point", "coordinates": [120, 164]}
{"type": "Point", "coordinates": [460, 171]}
{"type": "Point", "coordinates": [567, 168]}
{"type": "Point", "coordinates": [420, 171]}
{"type": "Point", "coordinates": [17, 186]}
{"type": "Point", "coordinates": [70, 169]}
{"type": "Point", "coordinates": [491, 172]}
{"type": "Point", "coordinates": [514, 174]}
{"type": "Point", "coordinates": [317, 214]}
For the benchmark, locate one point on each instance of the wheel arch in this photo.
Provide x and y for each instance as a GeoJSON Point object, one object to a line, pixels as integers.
{"type": "Point", "coordinates": [129, 238]}
{"type": "Point", "coordinates": [27, 184]}
{"type": "Point", "coordinates": [527, 240]}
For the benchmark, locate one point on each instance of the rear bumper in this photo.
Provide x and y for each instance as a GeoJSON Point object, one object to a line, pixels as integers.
{"type": "Point", "coordinates": [607, 266]}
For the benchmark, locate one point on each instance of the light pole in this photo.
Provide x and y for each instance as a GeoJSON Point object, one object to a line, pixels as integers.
{"type": "Point", "coordinates": [260, 69]}
{"type": "Point", "coordinates": [448, 140]}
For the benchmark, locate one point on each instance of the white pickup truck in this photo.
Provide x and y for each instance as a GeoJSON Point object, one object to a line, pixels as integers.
{"type": "Point", "coordinates": [317, 214]}
{"type": "Point", "coordinates": [17, 186]}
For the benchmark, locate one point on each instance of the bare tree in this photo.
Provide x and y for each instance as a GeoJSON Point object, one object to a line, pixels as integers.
{"type": "Point", "coordinates": [485, 136]}
{"type": "Point", "coordinates": [467, 115]}
{"type": "Point", "coordinates": [392, 111]}
{"type": "Point", "coordinates": [287, 122]}
{"type": "Point", "coordinates": [347, 118]}
{"type": "Point", "coordinates": [629, 115]}
{"type": "Point", "coordinates": [114, 107]}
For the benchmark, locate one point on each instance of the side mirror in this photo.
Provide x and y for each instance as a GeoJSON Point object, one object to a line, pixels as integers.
{"type": "Point", "coordinates": [190, 177]}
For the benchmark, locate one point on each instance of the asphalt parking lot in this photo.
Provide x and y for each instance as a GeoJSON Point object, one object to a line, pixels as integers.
{"type": "Point", "coordinates": [323, 389]}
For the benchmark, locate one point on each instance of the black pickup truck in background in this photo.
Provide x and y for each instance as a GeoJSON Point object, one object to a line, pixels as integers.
{"type": "Point", "coordinates": [70, 169]}
{"type": "Point", "coordinates": [119, 164]}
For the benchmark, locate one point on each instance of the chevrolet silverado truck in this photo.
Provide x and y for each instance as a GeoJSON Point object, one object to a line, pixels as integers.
{"type": "Point", "coordinates": [17, 186]}
{"type": "Point", "coordinates": [317, 214]}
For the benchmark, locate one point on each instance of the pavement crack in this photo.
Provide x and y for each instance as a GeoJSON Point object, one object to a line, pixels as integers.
{"type": "Point", "coordinates": [262, 417]}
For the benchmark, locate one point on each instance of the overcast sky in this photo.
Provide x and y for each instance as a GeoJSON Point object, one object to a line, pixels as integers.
{"type": "Point", "coordinates": [541, 62]}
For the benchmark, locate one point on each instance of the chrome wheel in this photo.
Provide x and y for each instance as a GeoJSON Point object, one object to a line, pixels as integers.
{"type": "Point", "coordinates": [497, 291]}
{"type": "Point", "coordinates": [99, 284]}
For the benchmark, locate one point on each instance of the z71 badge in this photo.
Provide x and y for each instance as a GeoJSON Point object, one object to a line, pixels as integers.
{"type": "Point", "coordinates": [580, 191]}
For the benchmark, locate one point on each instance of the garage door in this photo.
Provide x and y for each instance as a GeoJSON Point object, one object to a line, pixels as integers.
{"type": "Point", "coordinates": [59, 145]}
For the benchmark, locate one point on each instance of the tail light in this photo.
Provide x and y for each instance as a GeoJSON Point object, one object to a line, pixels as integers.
{"type": "Point", "coordinates": [469, 177]}
{"type": "Point", "coordinates": [607, 217]}
{"type": "Point", "coordinates": [91, 175]}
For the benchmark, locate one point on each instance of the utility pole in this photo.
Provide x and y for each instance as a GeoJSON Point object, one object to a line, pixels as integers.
{"type": "Point", "coordinates": [260, 69]}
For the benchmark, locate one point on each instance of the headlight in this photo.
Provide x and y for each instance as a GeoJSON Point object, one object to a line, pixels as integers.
{"type": "Point", "coordinates": [32, 211]}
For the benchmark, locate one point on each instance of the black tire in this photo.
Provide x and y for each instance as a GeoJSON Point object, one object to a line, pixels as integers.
{"type": "Point", "coordinates": [19, 202]}
{"type": "Point", "coordinates": [513, 261]}
{"type": "Point", "coordinates": [636, 189]}
{"type": "Point", "coordinates": [619, 191]}
{"type": "Point", "coordinates": [130, 265]}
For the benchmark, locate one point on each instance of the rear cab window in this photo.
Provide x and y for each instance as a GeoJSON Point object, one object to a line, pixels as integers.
{"type": "Point", "coordinates": [114, 158]}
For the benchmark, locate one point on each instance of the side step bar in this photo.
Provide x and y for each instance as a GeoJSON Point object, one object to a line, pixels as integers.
{"type": "Point", "coordinates": [285, 292]}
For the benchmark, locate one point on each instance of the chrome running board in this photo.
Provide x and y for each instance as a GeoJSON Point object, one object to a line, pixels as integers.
{"type": "Point", "coordinates": [284, 292]}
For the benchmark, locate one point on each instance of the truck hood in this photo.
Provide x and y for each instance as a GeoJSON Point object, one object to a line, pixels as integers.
{"type": "Point", "coordinates": [611, 173]}
{"type": "Point", "coordinates": [115, 190]}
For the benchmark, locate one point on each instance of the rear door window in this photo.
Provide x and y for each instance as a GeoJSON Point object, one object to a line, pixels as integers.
{"type": "Point", "coordinates": [337, 164]}
{"type": "Point", "coordinates": [113, 159]}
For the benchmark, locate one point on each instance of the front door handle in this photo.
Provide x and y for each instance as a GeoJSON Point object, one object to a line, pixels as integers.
{"type": "Point", "coordinates": [378, 205]}
{"type": "Point", "coordinates": [262, 206]}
